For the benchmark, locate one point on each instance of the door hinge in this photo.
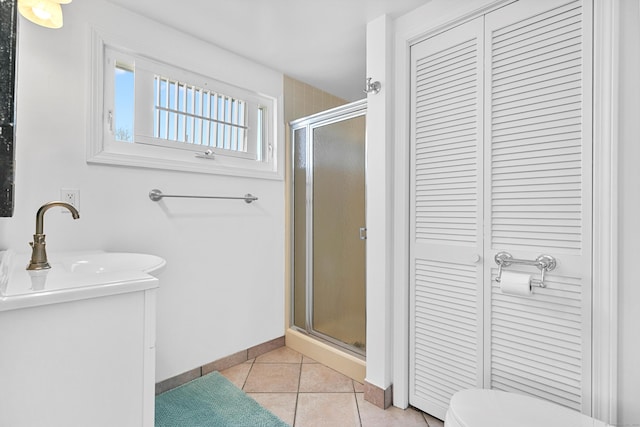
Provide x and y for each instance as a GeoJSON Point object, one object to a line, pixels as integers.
{"type": "Point", "coordinates": [363, 233]}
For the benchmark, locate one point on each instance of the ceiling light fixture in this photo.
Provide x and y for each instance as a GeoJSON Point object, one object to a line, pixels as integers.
{"type": "Point", "coordinates": [47, 13]}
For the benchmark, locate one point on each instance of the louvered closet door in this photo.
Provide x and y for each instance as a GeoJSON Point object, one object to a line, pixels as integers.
{"type": "Point", "coordinates": [538, 197]}
{"type": "Point", "coordinates": [446, 208]}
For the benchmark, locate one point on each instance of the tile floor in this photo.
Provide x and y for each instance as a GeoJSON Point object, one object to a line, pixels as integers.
{"type": "Point", "coordinates": [305, 393]}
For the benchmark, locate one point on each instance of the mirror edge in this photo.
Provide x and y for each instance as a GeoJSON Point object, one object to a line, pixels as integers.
{"type": "Point", "coordinates": [8, 51]}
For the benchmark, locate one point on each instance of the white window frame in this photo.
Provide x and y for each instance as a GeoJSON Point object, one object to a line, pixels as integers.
{"type": "Point", "coordinates": [146, 151]}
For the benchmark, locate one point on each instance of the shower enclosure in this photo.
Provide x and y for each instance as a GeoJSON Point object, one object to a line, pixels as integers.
{"type": "Point", "coordinates": [329, 236]}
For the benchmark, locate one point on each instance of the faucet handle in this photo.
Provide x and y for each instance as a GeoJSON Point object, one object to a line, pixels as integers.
{"type": "Point", "coordinates": [38, 253]}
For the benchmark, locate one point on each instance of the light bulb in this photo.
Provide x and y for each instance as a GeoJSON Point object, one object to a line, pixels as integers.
{"type": "Point", "coordinates": [46, 13]}
{"type": "Point", "coordinates": [40, 12]}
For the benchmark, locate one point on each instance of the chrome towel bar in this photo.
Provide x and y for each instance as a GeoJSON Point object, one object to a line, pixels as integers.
{"type": "Point", "coordinates": [543, 262]}
{"type": "Point", "coordinates": [157, 195]}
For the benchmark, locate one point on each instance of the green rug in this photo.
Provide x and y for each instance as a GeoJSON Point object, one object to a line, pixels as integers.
{"type": "Point", "coordinates": [211, 400]}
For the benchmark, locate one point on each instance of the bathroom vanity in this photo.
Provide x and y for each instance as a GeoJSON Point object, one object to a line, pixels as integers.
{"type": "Point", "coordinates": [77, 346]}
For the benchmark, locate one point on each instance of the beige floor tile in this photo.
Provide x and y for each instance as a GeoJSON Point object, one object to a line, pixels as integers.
{"type": "Point", "coordinates": [372, 416]}
{"type": "Point", "coordinates": [305, 393]}
{"type": "Point", "coordinates": [432, 421]}
{"type": "Point", "coordinates": [327, 409]}
{"type": "Point", "coordinates": [280, 355]}
{"type": "Point", "coordinates": [283, 405]}
{"type": "Point", "coordinates": [273, 378]}
{"type": "Point", "coordinates": [237, 374]}
{"type": "Point", "coordinates": [317, 378]}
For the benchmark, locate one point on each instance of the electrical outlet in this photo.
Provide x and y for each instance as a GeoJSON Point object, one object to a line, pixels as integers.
{"type": "Point", "coordinates": [71, 196]}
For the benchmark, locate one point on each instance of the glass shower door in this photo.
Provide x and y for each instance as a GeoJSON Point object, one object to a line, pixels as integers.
{"type": "Point", "coordinates": [338, 221]}
{"type": "Point", "coordinates": [329, 226]}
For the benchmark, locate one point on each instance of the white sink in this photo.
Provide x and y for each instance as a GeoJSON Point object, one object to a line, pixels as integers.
{"type": "Point", "coordinates": [74, 276]}
{"type": "Point", "coordinates": [89, 309]}
{"type": "Point", "coordinates": [108, 262]}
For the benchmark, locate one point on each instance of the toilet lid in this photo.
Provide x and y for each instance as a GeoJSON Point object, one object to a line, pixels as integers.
{"type": "Point", "coordinates": [494, 408]}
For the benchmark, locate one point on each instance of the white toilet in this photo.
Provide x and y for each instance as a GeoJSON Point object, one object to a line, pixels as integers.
{"type": "Point", "coordinates": [493, 408]}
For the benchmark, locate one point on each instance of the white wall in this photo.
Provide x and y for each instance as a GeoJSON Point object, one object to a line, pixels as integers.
{"type": "Point", "coordinates": [629, 212]}
{"type": "Point", "coordinates": [222, 290]}
{"type": "Point", "coordinates": [379, 211]}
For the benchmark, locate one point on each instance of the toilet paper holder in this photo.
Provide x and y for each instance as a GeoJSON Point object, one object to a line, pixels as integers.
{"type": "Point", "coordinates": [543, 262]}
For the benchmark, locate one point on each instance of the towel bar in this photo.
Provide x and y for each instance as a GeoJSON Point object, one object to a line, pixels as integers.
{"type": "Point", "coordinates": [157, 195]}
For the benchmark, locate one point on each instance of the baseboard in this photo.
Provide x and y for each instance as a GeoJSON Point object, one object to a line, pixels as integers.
{"type": "Point", "coordinates": [220, 364]}
{"type": "Point", "coordinates": [381, 398]}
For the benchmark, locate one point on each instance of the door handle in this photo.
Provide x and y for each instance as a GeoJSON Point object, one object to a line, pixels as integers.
{"type": "Point", "coordinates": [363, 233]}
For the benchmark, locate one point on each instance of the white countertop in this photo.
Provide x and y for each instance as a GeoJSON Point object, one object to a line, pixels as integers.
{"type": "Point", "coordinates": [20, 288]}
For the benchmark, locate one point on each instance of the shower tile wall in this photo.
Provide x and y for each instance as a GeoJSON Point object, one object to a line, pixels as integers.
{"type": "Point", "coordinates": [301, 100]}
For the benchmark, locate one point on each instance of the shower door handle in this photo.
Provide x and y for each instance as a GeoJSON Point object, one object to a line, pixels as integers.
{"type": "Point", "coordinates": [363, 233]}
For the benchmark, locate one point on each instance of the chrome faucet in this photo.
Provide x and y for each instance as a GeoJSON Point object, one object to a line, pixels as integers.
{"type": "Point", "coordinates": [39, 253]}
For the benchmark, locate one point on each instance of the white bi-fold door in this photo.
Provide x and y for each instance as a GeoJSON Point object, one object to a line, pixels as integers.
{"type": "Point", "coordinates": [501, 161]}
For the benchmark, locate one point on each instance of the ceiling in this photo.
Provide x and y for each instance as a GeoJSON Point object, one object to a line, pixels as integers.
{"type": "Point", "coordinates": [320, 42]}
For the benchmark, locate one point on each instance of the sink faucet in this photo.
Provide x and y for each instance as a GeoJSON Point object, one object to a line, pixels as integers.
{"type": "Point", "coordinates": [39, 253]}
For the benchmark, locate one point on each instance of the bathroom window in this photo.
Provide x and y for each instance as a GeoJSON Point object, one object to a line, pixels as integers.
{"type": "Point", "coordinates": [153, 114]}
{"type": "Point", "coordinates": [193, 115]}
{"type": "Point", "coordinates": [123, 103]}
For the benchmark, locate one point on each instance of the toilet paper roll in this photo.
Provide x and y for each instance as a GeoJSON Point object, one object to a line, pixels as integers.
{"type": "Point", "coordinates": [515, 283]}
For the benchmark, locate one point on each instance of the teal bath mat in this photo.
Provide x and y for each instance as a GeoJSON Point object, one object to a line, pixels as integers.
{"type": "Point", "coordinates": [211, 401]}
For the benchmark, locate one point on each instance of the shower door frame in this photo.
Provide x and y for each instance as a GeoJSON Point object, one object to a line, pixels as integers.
{"type": "Point", "coordinates": [310, 123]}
